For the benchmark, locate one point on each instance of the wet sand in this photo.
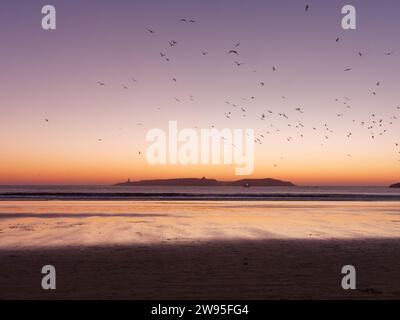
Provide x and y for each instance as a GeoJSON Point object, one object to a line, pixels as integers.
{"type": "Point", "coordinates": [199, 250]}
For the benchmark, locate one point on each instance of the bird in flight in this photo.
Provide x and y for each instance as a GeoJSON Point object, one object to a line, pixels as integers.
{"type": "Point", "coordinates": [101, 83]}
{"type": "Point", "coordinates": [348, 69]}
{"type": "Point", "coordinates": [187, 20]}
{"type": "Point", "coordinates": [233, 51]}
{"type": "Point", "coordinates": [307, 7]}
{"type": "Point", "coordinates": [151, 31]}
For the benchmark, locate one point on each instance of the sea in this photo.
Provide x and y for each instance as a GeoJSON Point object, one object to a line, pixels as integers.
{"type": "Point", "coordinates": [103, 192]}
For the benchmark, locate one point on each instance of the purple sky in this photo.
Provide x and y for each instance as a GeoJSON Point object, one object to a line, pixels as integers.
{"type": "Point", "coordinates": [54, 74]}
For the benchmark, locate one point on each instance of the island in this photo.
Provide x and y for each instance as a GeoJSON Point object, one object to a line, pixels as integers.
{"type": "Point", "coordinates": [194, 182]}
{"type": "Point", "coordinates": [397, 185]}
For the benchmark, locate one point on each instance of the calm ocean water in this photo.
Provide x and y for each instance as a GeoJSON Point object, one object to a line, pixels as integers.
{"type": "Point", "coordinates": [197, 193]}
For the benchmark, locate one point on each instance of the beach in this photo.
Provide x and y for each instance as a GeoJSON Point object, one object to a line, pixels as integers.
{"type": "Point", "coordinates": [199, 249]}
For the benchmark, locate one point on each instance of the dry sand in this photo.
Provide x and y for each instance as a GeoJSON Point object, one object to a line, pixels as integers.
{"type": "Point", "coordinates": [265, 269]}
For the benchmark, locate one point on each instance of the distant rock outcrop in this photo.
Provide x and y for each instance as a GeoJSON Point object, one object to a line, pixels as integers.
{"type": "Point", "coordinates": [194, 182]}
{"type": "Point", "coordinates": [172, 182]}
{"type": "Point", "coordinates": [397, 185]}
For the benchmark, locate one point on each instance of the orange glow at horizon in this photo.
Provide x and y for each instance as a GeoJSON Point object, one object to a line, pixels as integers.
{"type": "Point", "coordinates": [103, 172]}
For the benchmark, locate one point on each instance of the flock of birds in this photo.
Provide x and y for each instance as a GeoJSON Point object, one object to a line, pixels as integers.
{"type": "Point", "coordinates": [277, 121]}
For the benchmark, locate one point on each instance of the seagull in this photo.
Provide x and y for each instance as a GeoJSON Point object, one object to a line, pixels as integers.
{"type": "Point", "coordinates": [337, 39]}
{"type": "Point", "coordinates": [233, 51]}
{"type": "Point", "coordinates": [204, 53]}
{"type": "Point", "coordinates": [307, 7]}
{"type": "Point", "coordinates": [151, 31]}
{"type": "Point", "coordinates": [348, 69]}
{"type": "Point", "coordinates": [183, 20]}
{"type": "Point", "coordinates": [172, 43]}
{"type": "Point", "coordinates": [273, 69]}
{"type": "Point", "coordinates": [101, 83]}
{"type": "Point", "coordinates": [47, 120]}
{"type": "Point", "coordinates": [238, 63]}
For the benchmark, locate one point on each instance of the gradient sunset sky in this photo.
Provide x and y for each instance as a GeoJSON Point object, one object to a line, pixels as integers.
{"type": "Point", "coordinates": [54, 75]}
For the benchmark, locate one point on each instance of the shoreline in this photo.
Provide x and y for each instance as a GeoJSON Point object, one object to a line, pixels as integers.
{"type": "Point", "coordinates": [171, 196]}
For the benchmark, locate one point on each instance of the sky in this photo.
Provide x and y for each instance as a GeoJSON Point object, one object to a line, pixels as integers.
{"type": "Point", "coordinates": [96, 134]}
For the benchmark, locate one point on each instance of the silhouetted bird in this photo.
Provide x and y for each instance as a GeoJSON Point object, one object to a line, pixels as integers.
{"type": "Point", "coordinates": [233, 51]}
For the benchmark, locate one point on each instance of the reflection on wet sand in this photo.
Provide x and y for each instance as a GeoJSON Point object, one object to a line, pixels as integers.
{"type": "Point", "coordinates": [65, 223]}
